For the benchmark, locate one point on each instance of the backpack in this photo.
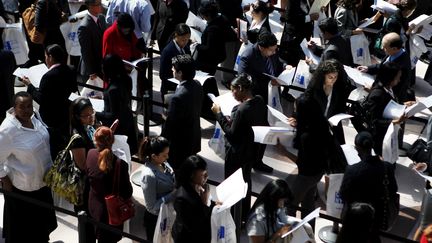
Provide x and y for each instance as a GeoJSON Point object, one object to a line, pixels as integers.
{"type": "Point", "coordinates": [362, 120]}
{"type": "Point", "coordinates": [29, 16]}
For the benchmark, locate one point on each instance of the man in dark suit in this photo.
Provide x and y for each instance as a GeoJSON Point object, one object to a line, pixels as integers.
{"type": "Point", "coordinates": [90, 35]}
{"type": "Point", "coordinates": [182, 126]}
{"type": "Point", "coordinates": [337, 47]}
{"type": "Point", "coordinates": [392, 45]}
{"type": "Point", "coordinates": [7, 60]}
{"type": "Point", "coordinates": [298, 25]}
{"type": "Point", "coordinates": [178, 46]}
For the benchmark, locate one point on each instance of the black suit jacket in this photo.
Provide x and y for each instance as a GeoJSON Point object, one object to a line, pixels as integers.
{"type": "Point", "coordinates": [90, 39]}
{"type": "Point", "coordinates": [400, 90]}
{"type": "Point", "coordinates": [295, 14]}
{"type": "Point", "coordinates": [336, 48]}
{"type": "Point", "coordinates": [192, 223]}
{"type": "Point", "coordinates": [165, 68]}
{"type": "Point", "coordinates": [7, 79]}
{"type": "Point", "coordinates": [53, 96]}
{"type": "Point", "coordinates": [182, 126]}
{"type": "Point", "coordinates": [254, 64]}
{"type": "Point", "coordinates": [168, 17]}
{"type": "Point", "coordinates": [48, 19]}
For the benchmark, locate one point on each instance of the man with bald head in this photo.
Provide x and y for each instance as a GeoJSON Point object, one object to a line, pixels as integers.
{"type": "Point", "coordinates": [392, 45]}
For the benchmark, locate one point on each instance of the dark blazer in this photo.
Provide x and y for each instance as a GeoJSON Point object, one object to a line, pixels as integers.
{"type": "Point", "coordinates": [376, 102]}
{"type": "Point", "coordinates": [7, 80]}
{"type": "Point", "coordinates": [337, 48]}
{"type": "Point", "coordinates": [211, 51]}
{"type": "Point", "coordinates": [90, 39]}
{"type": "Point", "coordinates": [295, 14]}
{"type": "Point", "coordinates": [254, 64]}
{"type": "Point", "coordinates": [253, 34]}
{"type": "Point", "coordinates": [53, 96]}
{"type": "Point", "coordinates": [117, 105]}
{"type": "Point", "coordinates": [101, 185]}
{"type": "Point", "coordinates": [363, 182]}
{"type": "Point", "coordinates": [401, 88]}
{"type": "Point", "coordinates": [182, 126]}
{"type": "Point", "coordinates": [231, 9]}
{"type": "Point", "coordinates": [192, 223]}
{"type": "Point", "coordinates": [168, 17]}
{"type": "Point", "coordinates": [165, 67]}
{"type": "Point", "coordinates": [48, 18]}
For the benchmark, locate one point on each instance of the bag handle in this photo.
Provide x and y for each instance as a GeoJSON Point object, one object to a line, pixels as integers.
{"type": "Point", "coordinates": [116, 179]}
{"type": "Point", "coordinates": [72, 139]}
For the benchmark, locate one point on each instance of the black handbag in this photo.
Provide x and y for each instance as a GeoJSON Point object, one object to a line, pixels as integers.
{"type": "Point", "coordinates": [391, 205]}
{"type": "Point", "coordinates": [420, 151]}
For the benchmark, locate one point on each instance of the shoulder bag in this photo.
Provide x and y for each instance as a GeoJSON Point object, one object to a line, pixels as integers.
{"type": "Point", "coordinates": [119, 209]}
{"type": "Point", "coordinates": [390, 204]}
{"type": "Point", "coordinates": [29, 17]}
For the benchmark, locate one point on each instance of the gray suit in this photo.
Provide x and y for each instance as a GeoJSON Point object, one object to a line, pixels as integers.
{"type": "Point", "coordinates": [347, 20]}
{"type": "Point", "coordinates": [90, 38]}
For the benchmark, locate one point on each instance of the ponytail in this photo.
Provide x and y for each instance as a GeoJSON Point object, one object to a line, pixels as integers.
{"type": "Point", "coordinates": [104, 139]}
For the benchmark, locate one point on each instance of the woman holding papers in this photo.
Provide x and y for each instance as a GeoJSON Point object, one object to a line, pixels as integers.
{"type": "Point", "coordinates": [117, 100]}
{"type": "Point", "coordinates": [268, 220]}
{"type": "Point", "coordinates": [381, 94]}
{"type": "Point", "coordinates": [260, 20]}
{"type": "Point", "coordinates": [157, 179]}
{"type": "Point", "coordinates": [192, 206]}
{"type": "Point", "coordinates": [318, 148]}
{"type": "Point", "coordinates": [347, 17]}
{"type": "Point", "coordinates": [242, 151]}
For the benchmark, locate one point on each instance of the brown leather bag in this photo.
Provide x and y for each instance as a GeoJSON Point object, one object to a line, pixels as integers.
{"type": "Point", "coordinates": [29, 16]}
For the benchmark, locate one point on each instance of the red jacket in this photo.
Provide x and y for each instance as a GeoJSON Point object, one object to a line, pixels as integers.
{"type": "Point", "coordinates": [114, 43]}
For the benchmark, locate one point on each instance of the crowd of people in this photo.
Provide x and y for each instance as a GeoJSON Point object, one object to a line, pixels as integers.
{"type": "Point", "coordinates": [31, 138]}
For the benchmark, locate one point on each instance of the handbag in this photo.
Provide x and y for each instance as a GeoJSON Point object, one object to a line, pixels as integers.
{"type": "Point", "coordinates": [64, 177]}
{"type": "Point", "coordinates": [164, 224]}
{"type": "Point", "coordinates": [390, 206]}
{"type": "Point", "coordinates": [420, 151]}
{"type": "Point", "coordinates": [29, 16]}
{"type": "Point", "coordinates": [119, 209]}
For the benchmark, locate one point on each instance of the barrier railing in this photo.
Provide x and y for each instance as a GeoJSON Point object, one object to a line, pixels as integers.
{"type": "Point", "coordinates": [148, 102]}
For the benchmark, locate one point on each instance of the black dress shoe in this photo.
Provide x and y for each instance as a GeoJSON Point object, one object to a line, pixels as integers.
{"type": "Point", "coordinates": [263, 168]}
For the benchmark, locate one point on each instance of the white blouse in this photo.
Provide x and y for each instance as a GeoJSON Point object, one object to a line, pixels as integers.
{"type": "Point", "coordinates": [24, 153]}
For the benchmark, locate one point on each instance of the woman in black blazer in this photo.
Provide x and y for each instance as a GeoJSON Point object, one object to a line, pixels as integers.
{"type": "Point", "coordinates": [260, 21]}
{"type": "Point", "coordinates": [117, 100]}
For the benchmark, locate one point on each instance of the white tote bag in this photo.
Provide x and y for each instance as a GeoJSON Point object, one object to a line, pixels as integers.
{"type": "Point", "coordinates": [417, 48]}
{"type": "Point", "coordinates": [14, 41]}
{"type": "Point", "coordinates": [164, 224]}
{"type": "Point", "coordinates": [390, 147]}
{"type": "Point", "coordinates": [88, 92]}
{"type": "Point", "coordinates": [239, 54]}
{"type": "Point", "coordinates": [70, 34]}
{"type": "Point", "coordinates": [274, 102]}
{"type": "Point", "coordinates": [360, 50]}
{"type": "Point", "coordinates": [334, 203]}
{"type": "Point", "coordinates": [223, 227]}
{"type": "Point", "coordinates": [217, 141]}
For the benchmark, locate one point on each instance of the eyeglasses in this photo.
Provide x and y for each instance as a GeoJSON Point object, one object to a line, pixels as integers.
{"type": "Point", "coordinates": [89, 116]}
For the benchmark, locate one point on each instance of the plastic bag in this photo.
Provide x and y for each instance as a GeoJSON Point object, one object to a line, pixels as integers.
{"type": "Point", "coordinates": [273, 102]}
{"type": "Point", "coordinates": [360, 50]}
{"type": "Point", "coordinates": [239, 54]}
{"type": "Point", "coordinates": [390, 145]}
{"type": "Point", "coordinates": [70, 34]}
{"type": "Point", "coordinates": [165, 221]}
{"type": "Point", "coordinates": [417, 48]}
{"type": "Point", "coordinates": [223, 227]}
{"type": "Point", "coordinates": [334, 203]}
{"type": "Point", "coordinates": [14, 41]}
{"type": "Point", "coordinates": [217, 141]}
{"type": "Point", "coordinates": [88, 92]}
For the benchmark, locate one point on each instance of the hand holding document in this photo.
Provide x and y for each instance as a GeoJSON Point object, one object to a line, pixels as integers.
{"type": "Point", "coordinates": [135, 63]}
{"type": "Point", "coordinates": [312, 215]}
{"type": "Point", "coordinates": [225, 101]}
{"type": "Point", "coordinates": [285, 78]}
{"type": "Point", "coordinates": [334, 120]}
{"type": "Point", "coordinates": [363, 79]}
{"type": "Point", "coordinates": [422, 20]}
{"type": "Point", "coordinates": [317, 5]}
{"type": "Point", "coordinates": [34, 74]}
{"type": "Point", "coordinates": [279, 115]}
{"type": "Point", "coordinates": [269, 135]}
{"type": "Point", "coordinates": [308, 53]}
{"type": "Point", "coordinates": [393, 110]}
{"type": "Point", "coordinates": [98, 104]}
{"type": "Point", "coordinates": [230, 191]}
{"type": "Point", "coordinates": [384, 6]}
{"type": "Point", "coordinates": [419, 106]}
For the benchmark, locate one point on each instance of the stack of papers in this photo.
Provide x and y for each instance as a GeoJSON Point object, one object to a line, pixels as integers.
{"type": "Point", "coordinates": [98, 104]}
{"type": "Point", "coordinates": [363, 79]}
{"type": "Point", "coordinates": [384, 6]}
{"type": "Point", "coordinates": [269, 135]}
{"type": "Point", "coordinates": [225, 101]}
{"type": "Point", "coordinates": [230, 191]}
{"type": "Point", "coordinates": [34, 74]}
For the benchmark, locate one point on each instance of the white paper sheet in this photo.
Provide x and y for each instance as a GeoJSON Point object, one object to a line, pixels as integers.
{"type": "Point", "coordinates": [230, 191]}
{"type": "Point", "coordinates": [195, 36]}
{"type": "Point", "coordinates": [350, 153]}
{"type": "Point", "coordinates": [390, 147]}
{"type": "Point", "coordinates": [34, 74]}
{"type": "Point", "coordinates": [269, 135]}
{"type": "Point", "coordinates": [308, 53]}
{"type": "Point", "coordinates": [242, 27]}
{"type": "Point", "coordinates": [358, 94]}
{"type": "Point", "coordinates": [285, 78]}
{"type": "Point", "coordinates": [384, 6]}
{"type": "Point", "coordinates": [279, 115]}
{"type": "Point", "coordinates": [174, 80]}
{"type": "Point", "coordinates": [194, 21]}
{"type": "Point", "coordinates": [134, 63]}
{"type": "Point", "coordinates": [317, 5]}
{"type": "Point", "coordinates": [429, 178]}
{"type": "Point", "coordinates": [98, 104]}
{"type": "Point", "coordinates": [360, 78]}
{"type": "Point", "coordinates": [225, 101]}
{"type": "Point", "coordinates": [393, 110]}
{"type": "Point", "coordinates": [334, 120]}
{"type": "Point", "coordinates": [367, 23]}
{"type": "Point", "coordinates": [422, 20]}
{"type": "Point", "coordinates": [309, 217]}
{"type": "Point", "coordinates": [202, 77]}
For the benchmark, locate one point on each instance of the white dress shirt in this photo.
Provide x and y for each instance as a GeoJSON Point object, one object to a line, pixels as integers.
{"type": "Point", "coordinates": [24, 152]}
